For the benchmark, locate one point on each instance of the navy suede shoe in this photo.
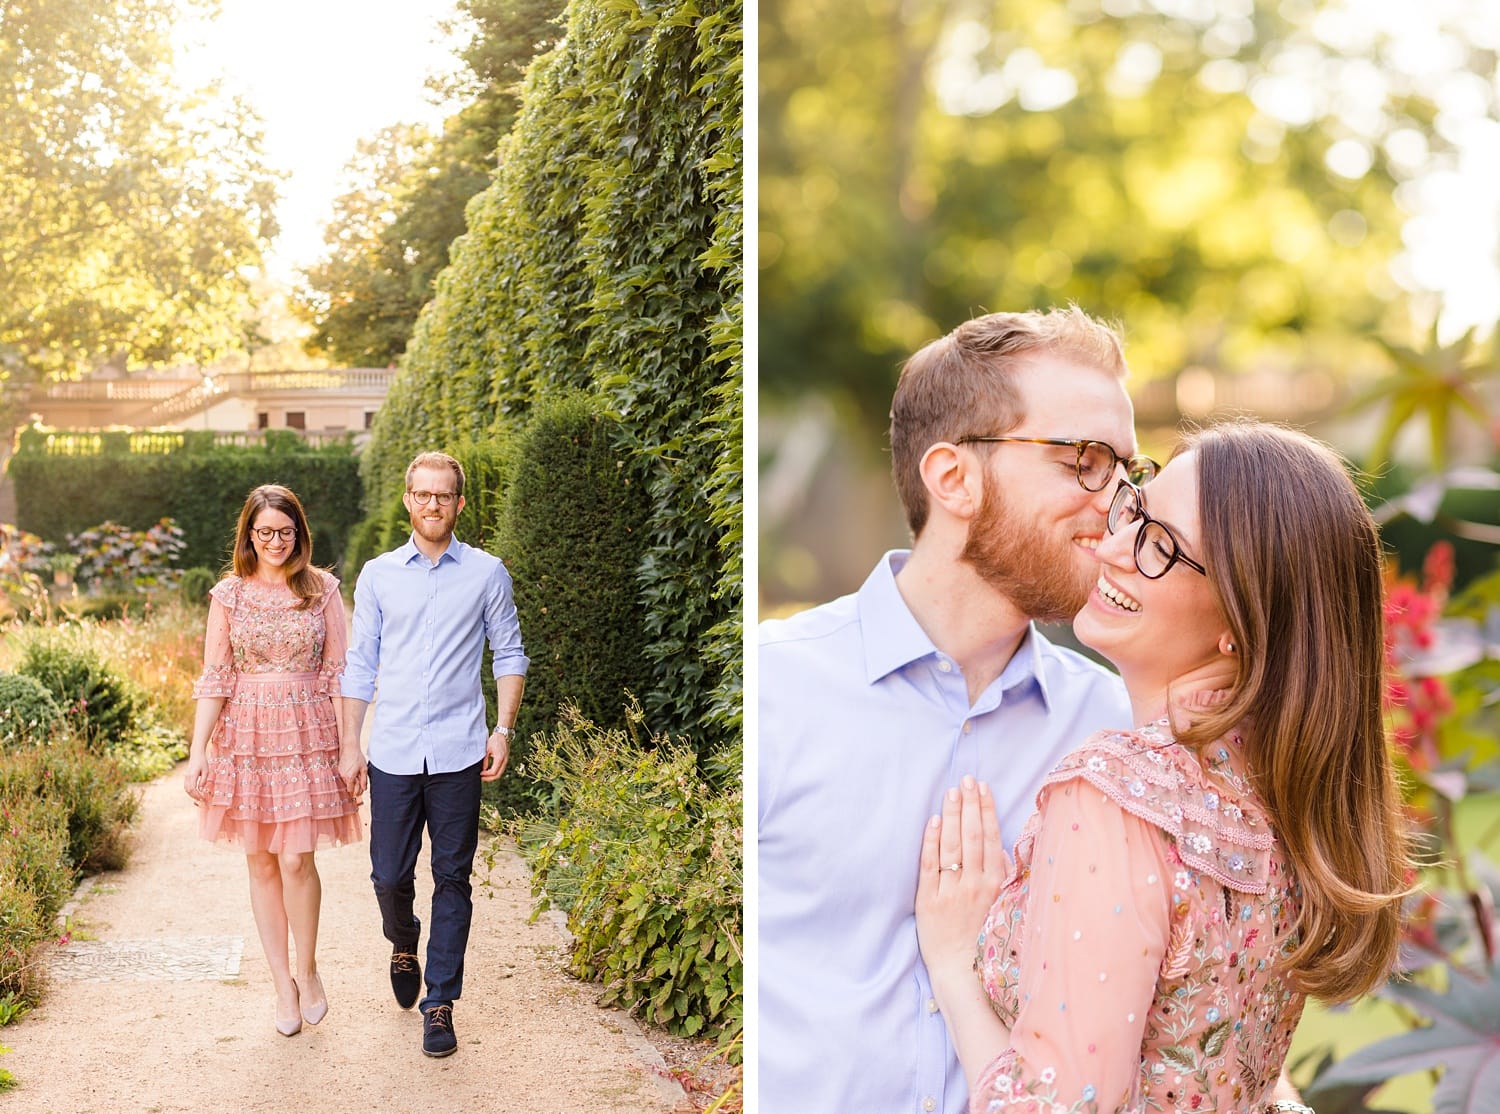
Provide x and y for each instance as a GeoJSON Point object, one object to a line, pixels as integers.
{"type": "Point", "coordinates": [438, 1038]}
{"type": "Point", "coordinates": [406, 978]}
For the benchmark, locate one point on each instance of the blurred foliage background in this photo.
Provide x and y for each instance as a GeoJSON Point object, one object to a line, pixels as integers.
{"type": "Point", "coordinates": [1288, 206]}
{"type": "Point", "coordinates": [1292, 209]}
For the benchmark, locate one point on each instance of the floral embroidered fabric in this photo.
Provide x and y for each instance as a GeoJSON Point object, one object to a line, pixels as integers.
{"type": "Point", "coordinates": [1133, 951]}
{"type": "Point", "coordinates": [273, 758]}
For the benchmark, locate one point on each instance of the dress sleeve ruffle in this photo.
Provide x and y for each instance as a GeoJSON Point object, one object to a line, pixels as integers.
{"type": "Point", "coordinates": [335, 637]}
{"type": "Point", "coordinates": [218, 676]}
{"type": "Point", "coordinates": [330, 590]}
{"type": "Point", "coordinates": [227, 592]}
{"type": "Point", "coordinates": [1148, 775]}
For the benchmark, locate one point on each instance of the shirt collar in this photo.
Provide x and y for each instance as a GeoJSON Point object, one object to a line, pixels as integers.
{"type": "Point", "coordinates": [893, 638]}
{"type": "Point", "coordinates": [1029, 664]}
{"type": "Point", "coordinates": [409, 551]}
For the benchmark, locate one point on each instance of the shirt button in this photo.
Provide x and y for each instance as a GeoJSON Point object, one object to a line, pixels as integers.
{"type": "Point", "coordinates": [947, 667]}
{"type": "Point", "coordinates": [929, 1103]}
{"type": "Point", "coordinates": [968, 727]}
{"type": "Point", "coordinates": [932, 1005]}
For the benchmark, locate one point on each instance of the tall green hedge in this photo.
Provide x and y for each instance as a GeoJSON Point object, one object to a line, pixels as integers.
{"type": "Point", "coordinates": [607, 257]}
{"type": "Point", "coordinates": [571, 537]}
{"type": "Point", "coordinates": [201, 485]}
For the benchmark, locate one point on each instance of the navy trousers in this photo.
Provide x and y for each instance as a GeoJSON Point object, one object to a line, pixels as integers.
{"type": "Point", "coordinates": [448, 806]}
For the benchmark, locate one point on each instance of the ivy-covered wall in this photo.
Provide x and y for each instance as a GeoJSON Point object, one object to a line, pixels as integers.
{"type": "Point", "coordinates": [607, 257]}
{"type": "Point", "coordinates": [136, 481]}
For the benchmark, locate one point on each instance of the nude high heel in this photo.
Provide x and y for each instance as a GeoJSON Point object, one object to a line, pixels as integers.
{"type": "Point", "coordinates": [294, 1026]}
{"type": "Point", "coordinates": [314, 1014]}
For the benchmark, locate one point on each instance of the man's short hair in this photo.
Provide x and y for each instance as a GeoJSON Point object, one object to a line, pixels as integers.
{"type": "Point", "coordinates": [437, 460]}
{"type": "Point", "coordinates": [963, 384]}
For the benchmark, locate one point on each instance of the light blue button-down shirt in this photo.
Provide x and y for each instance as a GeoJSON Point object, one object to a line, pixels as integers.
{"type": "Point", "coordinates": [863, 726]}
{"type": "Point", "coordinates": [420, 627]}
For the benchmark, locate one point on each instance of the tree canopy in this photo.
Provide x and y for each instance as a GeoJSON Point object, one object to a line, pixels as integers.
{"type": "Point", "coordinates": [1220, 176]}
{"type": "Point", "coordinates": [391, 232]}
{"type": "Point", "coordinates": [133, 213]}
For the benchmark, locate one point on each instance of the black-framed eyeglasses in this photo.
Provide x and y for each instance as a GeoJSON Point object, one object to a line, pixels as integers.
{"type": "Point", "coordinates": [266, 533]}
{"type": "Point", "coordinates": [1095, 463]}
{"type": "Point", "coordinates": [444, 498]}
{"type": "Point", "coordinates": [1156, 547]}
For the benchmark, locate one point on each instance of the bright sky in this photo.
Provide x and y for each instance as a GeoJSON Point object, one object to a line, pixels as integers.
{"type": "Point", "coordinates": [322, 74]}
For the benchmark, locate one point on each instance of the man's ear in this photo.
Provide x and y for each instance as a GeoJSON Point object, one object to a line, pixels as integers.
{"type": "Point", "coordinates": [953, 479]}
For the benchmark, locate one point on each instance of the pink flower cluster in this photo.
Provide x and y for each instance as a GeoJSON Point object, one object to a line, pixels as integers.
{"type": "Point", "coordinates": [1416, 704]}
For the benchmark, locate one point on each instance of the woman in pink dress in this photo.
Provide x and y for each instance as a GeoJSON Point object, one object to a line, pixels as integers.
{"type": "Point", "coordinates": [264, 759]}
{"type": "Point", "coordinates": [1183, 886]}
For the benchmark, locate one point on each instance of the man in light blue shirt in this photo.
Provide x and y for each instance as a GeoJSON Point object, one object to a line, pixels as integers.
{"type": "Point", "coordinates": [422, 615]}
{"type": "Point", "coordinates": [1007, 437]}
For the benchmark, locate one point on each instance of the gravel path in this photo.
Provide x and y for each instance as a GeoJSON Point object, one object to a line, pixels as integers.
{"type": "Point", "coordinates": [162, 1002]}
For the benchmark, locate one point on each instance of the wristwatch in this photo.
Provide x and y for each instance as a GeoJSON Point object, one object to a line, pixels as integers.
{"type": "Point", "coordinates": [501, 731]}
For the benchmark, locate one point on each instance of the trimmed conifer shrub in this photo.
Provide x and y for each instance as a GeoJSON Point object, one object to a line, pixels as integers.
{"type": "Point", "coordinates": [571, 537]}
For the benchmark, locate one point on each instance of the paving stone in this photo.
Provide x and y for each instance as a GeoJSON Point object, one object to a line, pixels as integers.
{"type": "Point", "coordinates": [168, 959]}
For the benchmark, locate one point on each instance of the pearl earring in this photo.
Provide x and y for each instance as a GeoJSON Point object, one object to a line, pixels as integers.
{"type": "Point", "coordinates": [1230, 647]}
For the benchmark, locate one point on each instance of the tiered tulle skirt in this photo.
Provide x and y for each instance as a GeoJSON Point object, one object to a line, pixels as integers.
{"type": "Point", "coordinates": [273, 770]}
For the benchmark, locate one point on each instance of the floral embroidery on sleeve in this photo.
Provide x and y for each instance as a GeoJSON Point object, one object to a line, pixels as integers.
{"type": "Point", "coordinates": [217, 678]}
{"type": "Point", "coordinates": [335, 638]}
{"type": "Point", "coordinates": [1217, 1016]}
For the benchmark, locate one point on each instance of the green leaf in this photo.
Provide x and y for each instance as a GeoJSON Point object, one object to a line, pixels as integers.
{"type": "Point", "coordinates": [1180, 1057]}
{"type": "Point", "coordinates": [1463, 1038]}
{"type": "Point", "coordinates": [1213, 1040]}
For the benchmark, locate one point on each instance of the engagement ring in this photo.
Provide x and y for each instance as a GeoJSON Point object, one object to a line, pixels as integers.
{"type": "Point", "coordinates": [954, 866]}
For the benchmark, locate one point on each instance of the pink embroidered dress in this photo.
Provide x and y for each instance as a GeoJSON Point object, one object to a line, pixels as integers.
{"type": "Point", "coordinates": [273, 760]}
{"type": "Point", "coordinates": [1133, 951]}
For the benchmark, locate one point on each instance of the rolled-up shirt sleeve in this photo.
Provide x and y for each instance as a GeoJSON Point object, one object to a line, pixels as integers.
{"type": "Point", "coordinates": [1097, 923]}
{"type": "Point", "coordinates": [502, 626]}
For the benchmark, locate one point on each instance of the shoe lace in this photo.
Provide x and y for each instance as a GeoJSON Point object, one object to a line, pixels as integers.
{"type": "Point", "coordinates": [404, 962]}
{"type": "Point", "coordinates": [440, 1017]}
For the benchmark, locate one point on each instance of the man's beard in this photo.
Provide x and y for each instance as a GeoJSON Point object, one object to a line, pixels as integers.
{"type": "Point", "coordinates": [437, 531]}
{"type": "Point", "coordinates": [1031, 568]}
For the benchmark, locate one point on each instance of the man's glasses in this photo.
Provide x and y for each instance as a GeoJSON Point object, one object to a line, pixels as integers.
{"type": "Point", "coordinates": [265, 533]}
{"type": "Point", "coordinates": [1096, 461]}
{"type": "Point", "coordinates": [444, 498]}
{"type": "Point", "coordinates": [1156, 547]}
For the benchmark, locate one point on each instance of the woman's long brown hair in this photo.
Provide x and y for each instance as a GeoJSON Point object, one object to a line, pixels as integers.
{"type": "Point", "coordinates": [1295, 560]}
{"type": "Point", "coordinates": [305, 581]}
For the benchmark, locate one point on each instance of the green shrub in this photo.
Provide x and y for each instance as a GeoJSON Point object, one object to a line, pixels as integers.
{"type": "Point", "coordinates": [489, 465]}
{"type": "Point", "coordinates": [104, 704]}
{"type": "Point", "coordinates": [646, 859]}
{"type": "Point", "coordinates": [34, 837]}
{"type": "Point", "coordinates": [571, 537]}
{"type": "Point", "coordinates": [36, 878]}
{"type": "Point", "coordinates": [149, 751]}
{"type": "Point", "coordinates": [194, 586]}
{"type": "Point", "coordinates": [28, 713]}
{"type": "Point", "coordinates": [91, 792]}
{"type": "Point", "coordinates": [360, 548]}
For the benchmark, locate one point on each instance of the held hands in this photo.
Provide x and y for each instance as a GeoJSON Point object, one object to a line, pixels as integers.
{"type": "Point", "coordinates": [496, 755]}
{"type": "Point", "coordinates": [963, 866]}
{"type": "Point", "coordinates": [353, 771]}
